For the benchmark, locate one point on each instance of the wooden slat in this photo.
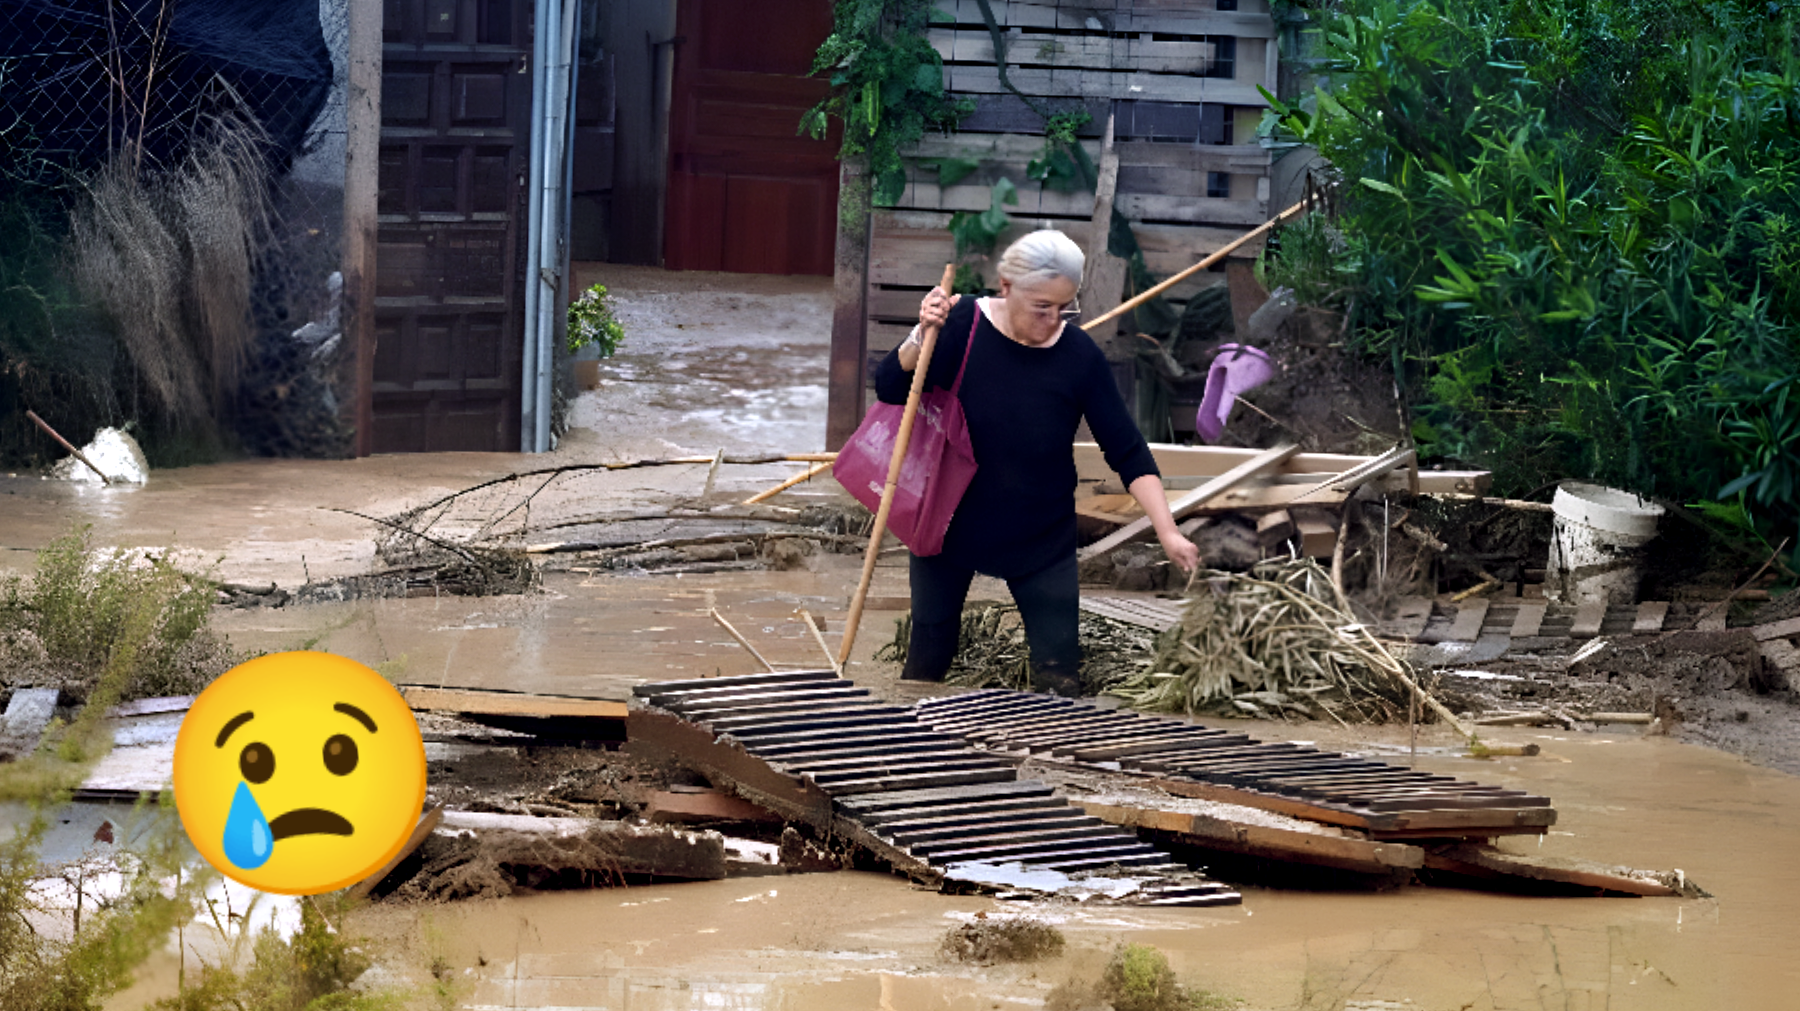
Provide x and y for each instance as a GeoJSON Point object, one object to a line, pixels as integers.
{"type": "Point", "coordinates": [1484, 861]}
{"type": "Point", "coordinates": [1163, 18]}
{"type": "Point", "coordinates": [1184, 505]}
{"type": "Point", "coordinates": [1040, 50]}
{"type": "Point", "coordinates": [1529, 620]}
{"type": "Point", "coordinates": [1467, 626]}
{"type": "Point", "coordinates": [1650, 616]}
{"type": "Point", "coordinates": [1140, 161]}
{"type": "Point", "coordinates": [1214, 832]}
{"type": "Point", "coordinates": [1775, 629]}
{"type": "Point", "coordinates": [1587, 621]}
{"type": "Point", "coordinates": [1206, 461]}
{"type": "Point", "coordinates": [1179, 202]}
{"type": "Point", "coordinates": [503, 703]}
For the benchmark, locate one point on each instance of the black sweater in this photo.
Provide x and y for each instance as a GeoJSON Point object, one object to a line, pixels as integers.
{"type": "Point", "coordinates": [1023, 406]}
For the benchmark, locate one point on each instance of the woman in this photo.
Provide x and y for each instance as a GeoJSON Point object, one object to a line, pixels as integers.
{"type": "Point", "coordinates": [1029, 382]}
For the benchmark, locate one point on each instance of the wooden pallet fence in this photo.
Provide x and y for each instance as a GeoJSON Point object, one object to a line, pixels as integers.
{"type": "Point", "coordinates": [1180, 78]}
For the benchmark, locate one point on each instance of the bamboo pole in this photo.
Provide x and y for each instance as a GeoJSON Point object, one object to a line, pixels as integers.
{"type": "Point", "coordinates": [1211, 259]}
{"type": "Point", "coordinates": [78, 454]}
{"type": "Point", "coordinates": [735, 634]}
{"type": "Point", "coordinates": [928, 342]}
{"type": "Point", "coordinates": [805, 475]}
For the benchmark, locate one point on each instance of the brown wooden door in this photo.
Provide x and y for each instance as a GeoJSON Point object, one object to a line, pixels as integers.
{"type": "Point", "coordinates": [746, 193]}
{"type": "Point", "coordinates": [455, 139]}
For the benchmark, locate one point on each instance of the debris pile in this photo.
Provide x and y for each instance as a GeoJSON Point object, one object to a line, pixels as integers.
{"type": "Point", "coordinates": [1278, 639]}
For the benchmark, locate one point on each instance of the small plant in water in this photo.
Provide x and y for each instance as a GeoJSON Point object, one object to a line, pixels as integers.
{"type": "Point", "coordinates": [591, 321]}
{"type": "Point", "coordinates": [1137, 978]}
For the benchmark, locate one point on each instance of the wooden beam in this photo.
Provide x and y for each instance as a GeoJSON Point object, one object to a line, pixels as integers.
{"type": "Point", "coordinates": [362, 155]}
{"type": "Point", "coordinates": [1206, 461]}
{"type": "Point", "coordinates": [505, 703]}
{"type": "Point", "coordinates": [849, 313]}
{"type": "Point", "coordinates": [1196, 498]}
{"type": "Point", "coordinates": [1486, 862]}
{"type": "Point", "coordinates": [1105, 281]}
{"type": "Point", "coordinates": [1319, 846]}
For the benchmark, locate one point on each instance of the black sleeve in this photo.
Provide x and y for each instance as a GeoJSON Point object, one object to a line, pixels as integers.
{"type": "Point", "coordinates": [1120, 441]}
{"type": "Point", "coordinates": [892, 383]}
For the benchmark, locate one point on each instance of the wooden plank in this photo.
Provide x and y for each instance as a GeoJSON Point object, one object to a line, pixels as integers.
{"type": "Point", "coordinates": [1206, 461]}
{"type": "Point", "coordinates": [1162, 19]}
{"type": "Point", "coordinates": [1043, 50]}
{"type": "Point", "coordinates": [428, 822]}
{"type": "Point", "coordinates": [1529, 620]}
{"type": "Point", "coordinates": [1485, 861]}
{"type": "Point", "coordinates": [1216, 832]}
{"type": "Point", "coordinates": [1775, 629]}
{"type": "Point", "coordinates": [844, 406]}
{"type": "Point", "coordinates": [504, 703]}
{"type": "Point", "coordinates": [362, 169]}
{"type": "Point", "coordinates": [1650, 616]}
{"type": "Point", "coordinates": [1139, 160]}
{"type": "Point", "coordinates": [1103, 281]}
{"type": "Point", "coordinates": [1467, 626]}
{"type": "Point", "coordinates": [1587, 621]}
{"type": "Point", "coordinates": [1047, 83]}
{"type": "Point", "coordinates": [149, 707]}
{"type": "Point", "coordinates": [1199, 496]}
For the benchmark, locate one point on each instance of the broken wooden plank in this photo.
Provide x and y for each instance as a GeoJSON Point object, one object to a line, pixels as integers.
{"type": "Point", "coordinates": [1212, 489]}
{"type": "Point", "coordinates": [1485, 861]}
{"type": "Point", "coordinates": [151, 707]}
{"type": "Point", "coordinates": [1467, 625]}
{"type": "Point", "coordinates": [1206, 461]}
{"type": "Point", "coordinates": [27, 714]}
{"type": "Point", "coordinates": [1650, 616]}
{"type": "Point", "coordinates": [682, 806]}
{"type": "Point", "coordinates": [428, 823]}
{"type": "Point", "coordinates": [612, 847]}
{"type": "Point", "coordinates": [1587, 620]}
{"type": "Point", "coordinates": [1297, 844]}
{"type": "Point", "coordinates": [487, 701]}
{"type": "Point", "coordinates": [1776, 629]}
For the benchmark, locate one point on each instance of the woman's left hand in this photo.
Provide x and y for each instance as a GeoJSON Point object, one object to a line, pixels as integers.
{"type": "Point", "coordinates": [1181, 551]}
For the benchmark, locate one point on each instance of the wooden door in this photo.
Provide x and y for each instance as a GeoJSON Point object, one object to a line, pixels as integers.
{"type": "Point", "coordinates": [455, 139]}
{"type": "Point", "coordinates": [746, 192]}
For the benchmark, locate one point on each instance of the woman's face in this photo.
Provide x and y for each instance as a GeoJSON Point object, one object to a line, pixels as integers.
{"type": "Point", "coordinates": [1035, 308]}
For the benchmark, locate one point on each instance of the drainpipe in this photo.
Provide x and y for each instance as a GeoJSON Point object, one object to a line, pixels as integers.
{"type": "Point", "coordinates": [542, 11]}
{"type": "Point", "coordinates": [551, 94]}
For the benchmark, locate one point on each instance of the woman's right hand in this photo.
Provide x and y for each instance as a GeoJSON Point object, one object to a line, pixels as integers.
{"type": "Point", "coordinates": [935, 309]}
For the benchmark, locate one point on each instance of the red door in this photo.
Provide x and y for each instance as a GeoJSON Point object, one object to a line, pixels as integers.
{"type": "Point", "coordinates": [746, 192]}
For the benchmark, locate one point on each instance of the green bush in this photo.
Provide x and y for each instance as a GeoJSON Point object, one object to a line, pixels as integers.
{"type": "Point", "coordinates": [1574, 228]}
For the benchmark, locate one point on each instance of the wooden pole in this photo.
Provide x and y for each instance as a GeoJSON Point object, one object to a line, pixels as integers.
{"type": "Point", "coordinates": [928, 342]}
{"type": "Point", "coordinates": [78, 454]}
{"type": "Point", "coordinates": [805, 475]}
{"type": "Point", "coordinates": [726, 625]}
{"type": "Point", "coordinates": [1211, 259]}
{"type": "Point", "coordinates": [362, 156]}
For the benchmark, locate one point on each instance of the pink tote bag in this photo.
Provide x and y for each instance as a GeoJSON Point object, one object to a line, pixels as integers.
{"type": "Point", "coordinates": [938, 467]}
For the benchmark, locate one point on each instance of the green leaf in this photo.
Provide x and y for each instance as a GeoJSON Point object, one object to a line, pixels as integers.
{"type": "Point", "coordinates": [929, 78]}
{"type": "Point", "coordinates": [1381, 187]}
{"type": "Point", "coordinates": [954, 170]}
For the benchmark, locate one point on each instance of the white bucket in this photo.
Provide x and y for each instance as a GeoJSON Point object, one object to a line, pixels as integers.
{"type": "Point", "coordinates": [1597, 545]}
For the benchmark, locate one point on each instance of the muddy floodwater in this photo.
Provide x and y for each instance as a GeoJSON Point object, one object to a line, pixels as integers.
{"type": "Point", "coordinates": [855, 940]}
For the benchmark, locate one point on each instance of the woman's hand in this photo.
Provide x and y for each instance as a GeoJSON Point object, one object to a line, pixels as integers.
{"type": "Point", "coordinates": [935, 309]}
{"type": "Point", "coordinates": [1181, 551]}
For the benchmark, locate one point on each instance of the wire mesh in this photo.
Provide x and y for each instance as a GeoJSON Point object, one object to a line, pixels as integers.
{"type": "Point", "coordinates": [87, 82]}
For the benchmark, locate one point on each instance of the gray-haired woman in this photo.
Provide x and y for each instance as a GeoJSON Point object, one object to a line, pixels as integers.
{"type": "Point", "coordinates": [1029, 382]}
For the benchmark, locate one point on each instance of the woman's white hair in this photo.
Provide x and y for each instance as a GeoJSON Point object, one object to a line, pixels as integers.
{"type": "Point", "coordinates": [1041, 256]}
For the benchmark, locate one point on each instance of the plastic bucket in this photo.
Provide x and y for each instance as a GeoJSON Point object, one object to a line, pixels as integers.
{"type": "Point", "coordinates": [1596, 550]}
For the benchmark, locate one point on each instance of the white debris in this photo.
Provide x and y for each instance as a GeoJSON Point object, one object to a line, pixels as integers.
{"type": "Point", "coordinates": [114, 452]}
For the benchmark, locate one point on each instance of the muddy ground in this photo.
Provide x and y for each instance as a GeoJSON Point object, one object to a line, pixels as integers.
{"type": "Point", "coordinates": [736, 363]}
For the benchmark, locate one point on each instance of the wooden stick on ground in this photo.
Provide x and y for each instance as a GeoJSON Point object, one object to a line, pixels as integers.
{"type": "Point", "coordinates": [726, 625]}
{"type": "Point", "coordinates": [1222, 253]}
{"type": "Point", "coordinates": [819, 637]}
{"type": "Point", "coordinates": [928, 342]}
{"type": "Point", "coordinates": [805, 475]}
{"type": "Point", "coordinates": [1196, 498]}
{"type": "Point", "coordinates": [78, 454]}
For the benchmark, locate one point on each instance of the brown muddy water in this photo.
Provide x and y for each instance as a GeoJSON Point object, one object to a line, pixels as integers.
{"type": "Point", "coordinates": [861, 940]}
{"type": "Point", "coordinates": [738, 366]}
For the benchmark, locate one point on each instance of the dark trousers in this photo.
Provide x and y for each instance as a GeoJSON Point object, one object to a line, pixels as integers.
{"type": "Point", "coordinates": [1048, 602]}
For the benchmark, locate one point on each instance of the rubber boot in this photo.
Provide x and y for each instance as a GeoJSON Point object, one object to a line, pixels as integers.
{"type": "Point", "coordinates": [929, 650]}
{"type": "Point", "coordinates": [1053, 678]}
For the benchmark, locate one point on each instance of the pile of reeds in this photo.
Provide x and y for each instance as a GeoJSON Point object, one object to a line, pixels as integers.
{"type": "Point", "coordinates": [1279, 639]}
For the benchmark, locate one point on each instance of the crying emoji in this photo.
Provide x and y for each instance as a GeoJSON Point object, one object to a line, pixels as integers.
{"type": "Point", "coordinates": [299, 773]}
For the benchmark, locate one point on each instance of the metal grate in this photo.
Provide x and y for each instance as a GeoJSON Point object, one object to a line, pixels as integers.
{"type": "Point", "coordinates": [920, 790]}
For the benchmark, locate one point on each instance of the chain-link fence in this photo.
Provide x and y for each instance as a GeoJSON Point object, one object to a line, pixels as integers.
{"type": "Point", "coordinates": [137, 84]}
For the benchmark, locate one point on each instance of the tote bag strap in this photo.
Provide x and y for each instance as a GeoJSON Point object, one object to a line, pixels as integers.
{"type": "Point", "coordinates": [968, 350]}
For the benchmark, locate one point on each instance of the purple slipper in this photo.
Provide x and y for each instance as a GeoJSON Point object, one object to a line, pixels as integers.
{"type": "Point", "coordinates": [1238, 369]}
